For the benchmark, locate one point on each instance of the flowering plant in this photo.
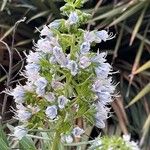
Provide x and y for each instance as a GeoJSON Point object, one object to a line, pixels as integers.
{"type": "Point", "coordinates": [66, 81]}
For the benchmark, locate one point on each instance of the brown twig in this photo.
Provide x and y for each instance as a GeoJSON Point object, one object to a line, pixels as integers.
{"type": "Point", "coordinates": [94, 11]}
{"type": "Point", "coordinates": [9, 75]}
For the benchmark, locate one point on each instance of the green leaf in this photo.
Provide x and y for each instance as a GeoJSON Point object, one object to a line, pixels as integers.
{"type": "Point", "coordinates": [3, 145]}
{"type": "Point", "coordinates": [3, 136]}
{"type": "Point", "coordinates": [142, 93]}
{"type": "Point", "coordinates": [27, 144]}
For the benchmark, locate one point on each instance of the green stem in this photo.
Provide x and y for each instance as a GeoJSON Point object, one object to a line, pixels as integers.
{"type": "Point", "coordinates": [56, 141]}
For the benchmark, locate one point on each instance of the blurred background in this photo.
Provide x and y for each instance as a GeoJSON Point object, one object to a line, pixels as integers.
{"type": "Point", "coordinates": [129, 54]}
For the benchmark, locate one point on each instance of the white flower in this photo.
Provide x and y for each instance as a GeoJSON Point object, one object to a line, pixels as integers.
{"type": "Point", "coordinates": [50, 97]}
{"type": "Point", "coordinates": [96, 144]}
{"type": "Point", "coordinates": [44, 45]}
{"type": "Point", "coordinates": [73, 18]}
{"type": "Point", "coordinates": [51, 111]}
{"type": "Point", "coordinates": [85, 47]}
{"type": "Point", "coordinates": [20, 132]}
{"type": "Point", "coordinates": [62, 101]}
{"type": "Point", "coordinates": [73, 67]}
{"type": "Point", "coordinates": [46, 32]}
{"type": "Point", "coordinates": [60, 56]}
{"type": "Point", "coordinates": [23, 115]}
{"type": "Point", "coordinates": [126, 137]}
{"type": "Point", "coordinates": [84, 62]}
{"type": "Point", "coordinates": [55, 24]}
{"type": "Point", "coordinates": [131, 144]}
{"type": "Point", "coordinates": [18, 94]}
{"type": "Point", "coordinates": [67, 138]}
{"type": "Point", "coordinates": [33, 57]}
{"type": "Point", "coordinates": [77, 132]}
{"type": "Point", "coordinates": [40, 84]}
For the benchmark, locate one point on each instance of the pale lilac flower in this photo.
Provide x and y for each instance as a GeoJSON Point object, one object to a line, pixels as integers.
{"type": "Point", "coordinates": [89, 36]}
{"type": "Point", "coordinates": [104, 36]}
{"type": "Point", "coordinates": [53, 59]}
{"type": "Point", "coordinates": [46, 32]}
{"type": "Point", "coordinates": [104, 97]}
{"type": "Point", "coordinates": [73, 67]}
{"type": "Point", "coordinates": [77, 132]}
{"type": "Point", "coordinates": [99, 57]}
{"type": "Point", "coordinates": [66, 139]}
{"type": "Point", "coordinates": [23, 115]}
{"type": "Point", "coordinates": [44, 45]}
{"type": "Point", "coordinates": [40, 84]}
{"type": "Point", "coordinates": [102, 85]}
{"type": "Point", "coordinates": [55, 24]}
{"type": "Point", "coordinates": [33, 109]}
{"type": "Point", "coordinates": [28, 87]}
{"type": "Point", "coordinates": [101, 115]}
{"type": "Point", "coordinates": [85, 47]}
{"type": "Point", "coordinates": [50, 97]}
{"type": "Point", "coordinates": [97, 86]}
{"type": "Point", "coordinates": [33, 57]}
{"type": "Point", "coordinates": [32, 69]}
{"type": "Point", "coordinates": [20, 132]}
{"type": "Point", "coordinates": [51, 111]}
{"type": "Point", "coordinates": [84, 62]}
{"type": "Point", "coordinates": [103, 70]}
{"type": "Point", "coordinates": [18, 94]}
{"type": "Point", "coordinates": [60, 56]}
{"type": "Point", "coordinates": [73, 18]}
{"type": "Point", "coordinates": [62, 101]}
{"type": "Point", "coordinates": [56, 85]}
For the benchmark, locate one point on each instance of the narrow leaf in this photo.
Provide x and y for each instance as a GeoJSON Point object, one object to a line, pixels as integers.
{"type": "Point", "coordinates": [3, 5]}
{"type": "Point", "coordinates": [7, 33]}
{"type": "Point", "coordinates": [27, 144]}
{"type": "Point", "coordinates": [41, 14]}
{"type": "Point", "coordinates": [137, 26]}
{"type": "Point", "coordinates": [142, 93]}
{"type": "Point", "coordinates": [143, 67]}
{"type": "Point", "coordinates": [3, 145]}
{"type": "Point", "coordinates": [128, 13]}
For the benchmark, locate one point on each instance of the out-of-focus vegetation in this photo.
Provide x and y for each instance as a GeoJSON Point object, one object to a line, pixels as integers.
{"type": "Point", "coordinates": [129, 53]}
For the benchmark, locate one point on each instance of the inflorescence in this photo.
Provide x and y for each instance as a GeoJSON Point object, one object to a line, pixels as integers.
{"type": "Point", "coordinates": [65, 79]}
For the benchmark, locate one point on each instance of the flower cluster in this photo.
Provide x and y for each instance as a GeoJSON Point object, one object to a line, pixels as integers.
{"type": "Point", "coordinates": [65, 80]}
{"type": "Point", "coordinates": [114, 143]}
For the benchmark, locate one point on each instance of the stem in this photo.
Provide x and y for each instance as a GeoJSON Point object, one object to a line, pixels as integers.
{"type": "Point", "coordinates": [56, 141]}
